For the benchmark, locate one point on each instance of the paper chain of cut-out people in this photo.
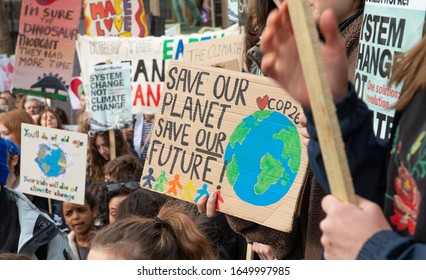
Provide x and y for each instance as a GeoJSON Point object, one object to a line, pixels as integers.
{"type": "Point", "coordinates": [188, 190]}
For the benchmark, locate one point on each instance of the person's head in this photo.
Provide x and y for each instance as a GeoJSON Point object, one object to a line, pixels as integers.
{"type": "Point", "coordinates": [172, 235]}
{"type": "Point", "coordinates": [142, 203]}
{"type": "Point", "coordinates": [48, 118]}
{"type": "Point", "coordinates": [11, 98]}
{"type": "Point", "coordinates": [14, 155]}
{"type": "Point", "coordinates": [82, 102]}
{"type": "Point", "coordinates": [343, 9]}
{"type": "Point", "coordinates": [4, 170]}
{"type": "Point", "coordinates": [123, 168]}
{"type": "Point", "coordinates": [32, 106]}
{"type": "Point", "coordinates": [4, 106]}
{"type": "Point", "coordinates": [61, 114]}
{"type": "Point", "coordinates": [110, 195]}
{"type": "Point", "coordinates": [3, 101]}
{"type": "Point", "coordinates": [80, 218]}
{"type": "Point", "coordinates": [99, 151]}
{"type": "Point", "coordinates": [10, 124]}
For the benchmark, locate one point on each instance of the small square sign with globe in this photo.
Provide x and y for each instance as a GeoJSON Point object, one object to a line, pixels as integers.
{"type": "Point", "coordinates": [53, 163]}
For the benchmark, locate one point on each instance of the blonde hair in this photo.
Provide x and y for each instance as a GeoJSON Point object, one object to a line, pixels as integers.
{"type": "Point", "coordinates": [410, 69]}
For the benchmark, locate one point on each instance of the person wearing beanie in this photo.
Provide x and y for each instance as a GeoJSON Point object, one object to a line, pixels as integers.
{"type": "Point", "coordinates": [4, 170]}
{"type": "Point", "coordinates": [14, 154]}
{"type": "Point", "coordinates": [10, 230]}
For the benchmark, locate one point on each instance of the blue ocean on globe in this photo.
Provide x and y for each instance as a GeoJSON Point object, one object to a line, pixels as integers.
{"type": "Point", "coordinates": [52, 161]}
{"type": "Point", "coordinates": [263, 157]}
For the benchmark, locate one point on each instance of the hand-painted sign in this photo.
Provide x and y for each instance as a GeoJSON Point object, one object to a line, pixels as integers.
{"type": "Point", "coordinates": [125, 18]}
{"type": "Point", "coordinates": [216, 51]}
{"type": "Point", "coordinates": [148, 57]}
{"type": "Point", "coordinates": [45, 47]}
{"type": "Point", "coordinates": [53, 163]}
{"type": "Point", "coordinates": [229, 132]}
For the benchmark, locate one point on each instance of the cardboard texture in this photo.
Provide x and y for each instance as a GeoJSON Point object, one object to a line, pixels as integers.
{"type": "Point", "coordinates": [230, 132]}
{"type": "Point", "coordinates": [45, 47]}
{"type": "Point", "coordinates": [216, 51]}
{"type": "Point", "coordinates": [53, 163]}
{"type": "Point", "coordinates": [148, 56]}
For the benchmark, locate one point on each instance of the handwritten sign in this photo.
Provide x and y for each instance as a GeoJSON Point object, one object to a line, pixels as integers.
{"type": "Point", "coordinates": [109, 99]}
{"type": "Point", "coordinates": [235, 133]}
{"type": "Point", "coordinates": [215, 51]}
{"type": "Point", "coordinates": [53, 163]}
{"type": "Point", "coordinates": [388, 30]}
{"type": "Point", "coordinates": [242, 12]}
{"type": "Point", "coordinates": [148, 57]}
{"type": "Point", "coordinates": [45, 47]}
{"type": "Point", "coordinates": [125, 18]}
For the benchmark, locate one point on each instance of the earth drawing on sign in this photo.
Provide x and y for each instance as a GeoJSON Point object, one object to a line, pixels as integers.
{"type": "Point", "coordinates": [265, 144]}
{"type": "Point", "coordinates": [52, 161]}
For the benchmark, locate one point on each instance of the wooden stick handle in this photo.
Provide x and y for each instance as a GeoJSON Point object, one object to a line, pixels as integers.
{"type": "Point", "coordinates": [322, 105]}
{"type": "Point", "coordinates": [112, 153]}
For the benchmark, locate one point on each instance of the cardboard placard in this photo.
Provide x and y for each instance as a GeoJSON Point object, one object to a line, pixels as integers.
{"type": "Point", "coordinates": [53, 163]}
{"type": "Point", "coordinates": [115, 18]}
{"type": "Point", "coordinates": [388, 29]}
{"type": "Point", "coordinates": [216, 51]}
{"type": "Point", "coordinates": [148, 56]}
{"type": "Point", "coordinates": [45, 47]}
{"type": "Point", "coordinates": [235, 133]}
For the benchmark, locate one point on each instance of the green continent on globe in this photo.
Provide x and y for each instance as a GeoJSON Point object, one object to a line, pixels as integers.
{"type": "Point", "coordinates": [272, 171]}
{"type": "Point", "coordinates": [232, 171]}
{"type": "Point", "coordinates": [243, 129]}
{"type": "Point", "coordinates": [239, 134]}
{"type": "Point", "coordinates": [62, 163]}
{"type": "Point", "coordinates": [45, 167]}
{"type": "Point", "coordinates": [261, 115]}
{"type": "Point", "coordinates": [291, 146]}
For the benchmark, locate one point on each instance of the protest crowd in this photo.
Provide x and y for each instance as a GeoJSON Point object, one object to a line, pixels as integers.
{"type": "Point", "coordinates": [148, 159]}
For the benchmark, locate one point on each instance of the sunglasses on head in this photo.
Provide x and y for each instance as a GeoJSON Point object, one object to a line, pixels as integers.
{"type": "Point", "coordinates": [117, 186]}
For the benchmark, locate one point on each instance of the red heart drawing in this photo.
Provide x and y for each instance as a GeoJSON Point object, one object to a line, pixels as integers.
{"type": "Point", "coordinates": [108, 24]}
{"type": "Point", "coordinates": [262, 102]}
{"type": "Point", "coordinates": [76, 86]}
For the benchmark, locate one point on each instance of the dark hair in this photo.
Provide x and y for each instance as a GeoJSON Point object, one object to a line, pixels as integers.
{"type": "Point", "coordinates": [124, 168]}
{"type": "Point", "coordinates": [96, 161]}
{"type": "Point", "coordinates": [50, 110]}
{"type": "Point", "coordinates": [89, 198]}
{"type": "Point", "coordinates": [61, 114]}
{"type": "Point", "coordinates": [105, 195]}
{"type": "Point", "coordinates": [258, 14]}
{"type": "Point", "coordinates": [172, 235]}
{"type": "Point", "coordinates": [14, 256]}
{"type": "Point", "coordinates": [142, 203]}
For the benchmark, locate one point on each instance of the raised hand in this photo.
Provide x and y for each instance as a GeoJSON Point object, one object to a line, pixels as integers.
{"type": "Point", "coordinates": [281, 59]}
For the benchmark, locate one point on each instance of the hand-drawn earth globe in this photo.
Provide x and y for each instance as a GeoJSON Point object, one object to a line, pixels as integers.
{"type": "Point", "coordinates": [263, 157]}
{"type": "Point", "coordinates": [51, 160]}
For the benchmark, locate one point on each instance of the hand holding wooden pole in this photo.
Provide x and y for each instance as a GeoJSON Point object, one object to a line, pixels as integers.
{"type": "Point", "coordinates": [322, 105]}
